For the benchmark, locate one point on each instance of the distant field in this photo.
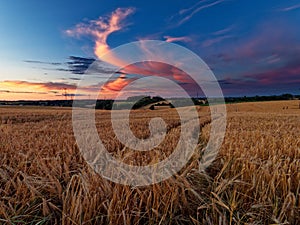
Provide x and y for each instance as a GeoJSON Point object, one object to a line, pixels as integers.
{"type": "Point", "coordinates": [254, 180]}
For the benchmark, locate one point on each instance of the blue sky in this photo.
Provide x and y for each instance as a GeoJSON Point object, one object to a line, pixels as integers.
{"type": "Point", "coordinates": [253, 47]}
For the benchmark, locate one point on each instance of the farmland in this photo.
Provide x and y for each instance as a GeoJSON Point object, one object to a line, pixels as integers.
{"type": "Point", "coordinates": [255, 178]}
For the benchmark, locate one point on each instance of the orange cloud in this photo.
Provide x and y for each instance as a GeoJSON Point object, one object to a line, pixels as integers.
{"type": "Point", "coordinates": [37, 86]}
{"type": "Point", "coordinates": [143, 69]}
{"type": "Point", "coordinates": [18, 90]}
{"type": "Point", "coordinates": [112, 88]}
{"type": "Point", "coordinates": [100, 29]}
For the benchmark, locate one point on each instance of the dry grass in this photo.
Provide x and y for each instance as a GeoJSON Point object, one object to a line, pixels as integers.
{"type": "Point", "coordinates": [254, 180]}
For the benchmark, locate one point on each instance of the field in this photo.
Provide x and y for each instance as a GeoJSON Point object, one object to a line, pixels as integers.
{"type": "Point", "coordinates": [254, 180]}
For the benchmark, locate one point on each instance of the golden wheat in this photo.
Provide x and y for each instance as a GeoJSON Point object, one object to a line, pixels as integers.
{"type": "Point", "coordinates": [254, 180]}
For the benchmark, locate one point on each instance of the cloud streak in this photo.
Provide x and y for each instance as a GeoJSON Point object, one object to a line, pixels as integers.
{"type": "Point", "coordinates": [18, 89]}
{"type": "Point", "coordinates": [286, 9]}
{"type": "Point", "coordinates": [189, 13]}
{"type": "Point", "coordinates": [215, 40]}
{"type": "Point", "coordinates": [44, 86]}
{"type": "Point", "coordinates": [177, 39]}
{"type": "Point", "coordinates": [13, 89]}
{"type": "Point", "coordinates": [22, 92]}
{"type": "Point", "coordinates": [78, 65]}
{"type": "Point", "coordinates": [224, 31]}
{"type": "Point", "coordinates": [42, 62]}
{"type": "Point", "coordinates": [219, 36]}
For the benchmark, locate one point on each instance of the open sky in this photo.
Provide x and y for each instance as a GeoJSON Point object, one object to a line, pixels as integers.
{"type": "Point", "coordinates": [253, 47]}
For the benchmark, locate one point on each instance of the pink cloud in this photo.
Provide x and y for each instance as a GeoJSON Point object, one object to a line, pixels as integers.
{"type": "Point", "coordinates": [267, 44]}
{"type": "Point", "coordinates": [18, 89]}
{"type": "Point", "coordinates": [45, 86]}
{"type": "Point", "coordinates": [177, 39]}
{"type": "Point", "coordinates": [100, 29]}
{"type": "Point", "coordinates": [288, 74]}
{"type": "Point", "coordinates": [144, 69]}
{"type": "Point", "coordinates": [277, 77]}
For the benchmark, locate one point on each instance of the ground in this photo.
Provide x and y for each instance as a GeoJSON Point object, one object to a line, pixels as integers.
{"type": "Point", "coordinates": [254, 180]}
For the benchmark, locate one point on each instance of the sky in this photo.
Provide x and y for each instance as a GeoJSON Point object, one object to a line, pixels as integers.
{"type": "Point", "coordinates": [252, 47]}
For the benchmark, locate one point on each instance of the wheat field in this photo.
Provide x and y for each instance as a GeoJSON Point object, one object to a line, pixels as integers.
{"type": "Point", "coordinates": [255, 178]}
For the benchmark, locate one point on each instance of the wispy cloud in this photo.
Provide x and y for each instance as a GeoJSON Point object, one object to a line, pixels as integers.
{"type": "Point", "coordinates": [23, 92]}
{"type": "Point", "coordinates": [266, 44]}
{"type": "Point", "coordinates": [101, 28]}
{"type": "Point", "coordinates": [43, 62]}
{"type": "Point", "coordinates": [286, 9]}
{"type": "Point", "coordinates": [224, 31]}
{"type": "Point", "coordinates": [75, 65]}
{"type": "Point", "coordinates": [78, 65]}
{"type": "Point", "coordinates": [177, 39]}
{"type": "Point", "coordinates": [219, 36]}
{"type": "Point", "coordinates": [73, 95]}
{"type": "Point", "coordinates": [17, 89]}
{"type": "Point", "coordinates": [43, 86]}
{"type": "Point", "coordinates": [189, 13]}
{"type": "Point", "coordinates": [193, 7]}
{"type": "Point", "coordinates": [265, 60]}
{"type": "Point", "coordinates": [215, 40]}
{"type": "Point", "coordinates": [73, 78]}
{"type": "Point", "coordinates": [186, 14]}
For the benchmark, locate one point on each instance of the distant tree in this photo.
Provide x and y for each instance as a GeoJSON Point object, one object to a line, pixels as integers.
{"type": "Point", "coordinates": [157, 99]}
{"type": "Point", "coordinates": [146, 101]}
{"type": "Point", "coordinates": [137, 98]}
{"type": "Point", "coordinates": [104, 104]}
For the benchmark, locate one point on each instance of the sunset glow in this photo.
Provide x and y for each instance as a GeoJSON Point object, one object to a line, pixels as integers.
{"type": "Point", "coordinates": [252, 47]}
